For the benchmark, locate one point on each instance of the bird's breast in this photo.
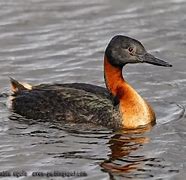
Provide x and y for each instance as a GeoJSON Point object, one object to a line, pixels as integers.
{"type": "Point", "coordinates": [135, 111]}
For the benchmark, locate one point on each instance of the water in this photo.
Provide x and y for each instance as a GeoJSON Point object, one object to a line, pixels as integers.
{"type": "Point", "coordinates": [44, 41]}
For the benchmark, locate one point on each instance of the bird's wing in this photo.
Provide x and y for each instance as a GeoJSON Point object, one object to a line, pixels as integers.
{"type": "Point", "coordinates": [64, 102]}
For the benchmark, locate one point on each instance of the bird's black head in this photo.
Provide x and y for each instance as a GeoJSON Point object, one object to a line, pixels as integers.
{"type": "Point", "coordinates": [122, 50]}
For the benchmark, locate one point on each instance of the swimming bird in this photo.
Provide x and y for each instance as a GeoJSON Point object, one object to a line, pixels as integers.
{"type": "Point", "coordinates": [117, 106]}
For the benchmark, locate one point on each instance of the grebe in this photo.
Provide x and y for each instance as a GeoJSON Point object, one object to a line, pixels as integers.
{"type": "Point", "coordinates": [117, 107]}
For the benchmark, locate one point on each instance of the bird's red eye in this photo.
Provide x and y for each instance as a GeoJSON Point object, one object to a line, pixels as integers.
{"type": "Point", "coordinates": [130, 49]}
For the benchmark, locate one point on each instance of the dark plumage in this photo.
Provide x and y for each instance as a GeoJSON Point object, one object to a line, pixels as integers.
{"type": "Point", "coordinates": [69, 103]}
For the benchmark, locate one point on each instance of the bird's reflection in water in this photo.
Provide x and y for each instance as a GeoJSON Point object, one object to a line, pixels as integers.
{"type": "Point", "coordinates": [125, 159]}
{"type": "Point", "coordinates": [122, 146]}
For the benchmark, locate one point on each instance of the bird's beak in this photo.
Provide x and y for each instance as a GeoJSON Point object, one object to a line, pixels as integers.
{"type": "Point", "coordinates": [148, 58]}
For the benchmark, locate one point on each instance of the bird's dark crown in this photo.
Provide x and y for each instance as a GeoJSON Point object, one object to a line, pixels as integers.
{"type": "Point", "coordinates": [122, 50]}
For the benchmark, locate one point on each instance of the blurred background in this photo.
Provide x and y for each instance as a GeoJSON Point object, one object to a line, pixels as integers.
{"type": "Point", "coordinates": [43, 41]}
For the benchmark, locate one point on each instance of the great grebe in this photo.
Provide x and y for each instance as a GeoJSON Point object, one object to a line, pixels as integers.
{"type": "Point", "coordinates": [118, 106]}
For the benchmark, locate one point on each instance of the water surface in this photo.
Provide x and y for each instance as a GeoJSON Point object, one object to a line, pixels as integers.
{"type": "Point", "coordinates": [44, 41]}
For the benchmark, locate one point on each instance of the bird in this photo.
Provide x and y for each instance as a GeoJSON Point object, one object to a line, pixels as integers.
{"type": "Point", "coordinates": [116, 106]}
